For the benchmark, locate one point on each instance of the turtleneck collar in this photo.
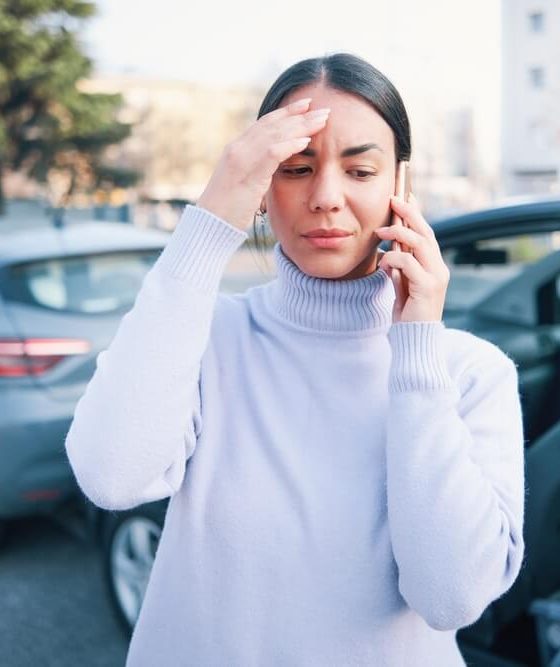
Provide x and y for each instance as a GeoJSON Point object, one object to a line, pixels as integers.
{"type": "Point", "coordinates": [331, 305]}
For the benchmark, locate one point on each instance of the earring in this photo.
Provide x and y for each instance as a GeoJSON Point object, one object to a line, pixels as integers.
{"type": "Point", "coordinates": [260, 218]}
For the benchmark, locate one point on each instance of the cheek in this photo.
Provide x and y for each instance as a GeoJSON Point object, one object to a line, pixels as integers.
{"type": "Point", "coordinates": [373, 205]}
{"type": "Point", "coordinates": [278, 209]}
{"type": "Point", "coordinates": [280, 198]}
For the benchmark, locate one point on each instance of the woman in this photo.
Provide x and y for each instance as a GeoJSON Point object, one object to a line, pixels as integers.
{"type": "Point", "coordinates": [346, 473]}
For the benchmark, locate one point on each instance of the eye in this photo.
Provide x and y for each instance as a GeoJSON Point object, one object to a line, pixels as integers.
{"type": "Point", "coordinates": [294, 171]}
{"type": "Point", "coordinates": [361, 174]}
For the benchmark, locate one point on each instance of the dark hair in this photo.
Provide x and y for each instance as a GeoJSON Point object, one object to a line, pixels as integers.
{"type": "Point", "coordinates": [350, 74]}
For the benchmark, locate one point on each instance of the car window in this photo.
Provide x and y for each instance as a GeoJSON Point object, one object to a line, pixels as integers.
{"type": "Point", "coordinates": [101, 283]}
{"type": "Point", "coordinates": [478, 268]}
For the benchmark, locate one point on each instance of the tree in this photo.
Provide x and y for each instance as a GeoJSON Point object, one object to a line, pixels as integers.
{"type": "Point", "coordinates": [48, 127]}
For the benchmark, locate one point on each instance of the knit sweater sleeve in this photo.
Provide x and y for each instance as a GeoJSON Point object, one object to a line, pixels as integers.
{"type": "Point", "coordinates": [137, 422]}
{"type": "Point", "coordinates": [455, 486]}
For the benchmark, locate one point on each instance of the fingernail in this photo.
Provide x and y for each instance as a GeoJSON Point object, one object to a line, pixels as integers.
{"type": "Point", "coordinates": [301, 104]}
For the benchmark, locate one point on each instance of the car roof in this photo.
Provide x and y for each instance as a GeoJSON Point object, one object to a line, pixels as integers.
{"type": "Point", "coordinates": [519, 212]}
{"type": "Point", "coordinates": [77, 239]}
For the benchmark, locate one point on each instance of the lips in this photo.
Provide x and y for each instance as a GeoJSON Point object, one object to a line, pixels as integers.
{"type": "Point", "coordinates": [326, 233]}
{"type": "Point", "coordinates": [327, 239]}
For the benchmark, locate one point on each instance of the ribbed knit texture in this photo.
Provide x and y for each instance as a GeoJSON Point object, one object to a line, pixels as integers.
{"type": "Point", "coordinates": [345, 491]}
{"type": "Point", "coordinates": [201, 248]}
{"type": "Point", "coordinates": [419, 362]}
{"type": "Point", "coordinates": [332, 305]}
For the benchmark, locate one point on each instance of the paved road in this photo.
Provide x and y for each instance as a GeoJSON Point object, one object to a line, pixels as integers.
{"type": "Point", "coordinates": [54, 610]}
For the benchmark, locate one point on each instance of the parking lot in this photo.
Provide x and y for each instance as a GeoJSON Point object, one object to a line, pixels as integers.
{"type": "Point", "coordinates": [505, 287]}
{"type": "Point", "coordinates": [54, 611]}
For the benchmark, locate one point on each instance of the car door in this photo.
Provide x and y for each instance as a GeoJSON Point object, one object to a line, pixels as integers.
{"type": "Point", "coordinates": [505, 287]}
{"type": "Point", "coordinates": [500, 290]}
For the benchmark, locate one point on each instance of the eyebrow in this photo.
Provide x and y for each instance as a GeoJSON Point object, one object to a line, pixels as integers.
{"type": "Point", "coordinates": [347, 152]}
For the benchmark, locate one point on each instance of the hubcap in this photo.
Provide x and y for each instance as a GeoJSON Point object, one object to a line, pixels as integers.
{"type": "Point", "coordinates": [132, 555]}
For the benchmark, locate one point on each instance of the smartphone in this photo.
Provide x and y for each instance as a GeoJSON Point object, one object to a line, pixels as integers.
{"type": "Point", "coordinates": [402, 190]}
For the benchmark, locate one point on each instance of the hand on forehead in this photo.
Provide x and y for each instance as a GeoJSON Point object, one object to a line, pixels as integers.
{"type": "Point", "coordinates": [353, 124]}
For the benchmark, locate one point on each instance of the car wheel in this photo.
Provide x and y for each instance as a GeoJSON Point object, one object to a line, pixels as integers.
{"type": "Point", "coordinates": [130, 545]}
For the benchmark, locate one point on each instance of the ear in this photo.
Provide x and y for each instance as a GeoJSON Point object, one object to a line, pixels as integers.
{"type": "Point", "coordinates": [263, 205]}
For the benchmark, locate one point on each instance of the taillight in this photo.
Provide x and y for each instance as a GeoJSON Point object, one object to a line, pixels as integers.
{"type": "Point", "coordinates": [34, 356]}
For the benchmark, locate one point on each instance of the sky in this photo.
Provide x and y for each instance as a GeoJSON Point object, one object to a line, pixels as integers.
{"type": "Point", "coordinates": [445, 52]}
{"type": "Point", "coordinates": [247, 41]}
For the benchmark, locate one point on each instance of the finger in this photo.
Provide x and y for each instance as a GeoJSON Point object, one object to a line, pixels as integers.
{"type": "Point", "coordinates": [423, 248]}
{"type": "Point", "coordinates": [400, 283]}
{"type": "Point", "coordinates": [276, 142]}
{"type": "Point", "coordinates": [408, 265]}
{"type": "Point", "coordinates": [283, 129]}
{"type": "Point", "coordinates": [412, 216]}
{"type": "Point", "coordinates": [282, 150]}
{"type": "Point", "coordinates": [285, 140]}
{"type": "Point", "coordinates": [299, 106]}
{"type": "Point", "coordinates": [400, 247]}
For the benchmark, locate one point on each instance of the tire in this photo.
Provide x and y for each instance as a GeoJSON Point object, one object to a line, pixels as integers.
{"type": "Point", "coordinates": [130, 542]}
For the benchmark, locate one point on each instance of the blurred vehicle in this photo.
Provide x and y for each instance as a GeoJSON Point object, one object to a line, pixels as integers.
{"type": "Point", "coordinates": [504, 287]}
{"type": "Point", "coordinates": [63, 292]}
{"type": "Point", "coordinates": [62, 295]}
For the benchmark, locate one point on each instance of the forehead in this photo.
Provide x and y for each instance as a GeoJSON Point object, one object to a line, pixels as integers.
{"type": "Point", "coordinates": [352, 120]}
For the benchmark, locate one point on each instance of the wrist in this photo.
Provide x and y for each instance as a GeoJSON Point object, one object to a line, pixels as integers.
{"type": "Point", "coordinates": [221, 208]}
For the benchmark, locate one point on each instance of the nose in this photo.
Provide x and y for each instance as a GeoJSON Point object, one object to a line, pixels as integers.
{"type": "Point", "coordinates": [326, 192]}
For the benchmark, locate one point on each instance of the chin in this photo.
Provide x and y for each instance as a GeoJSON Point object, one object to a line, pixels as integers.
{"type": "Point", "coordinates": [325, 266]}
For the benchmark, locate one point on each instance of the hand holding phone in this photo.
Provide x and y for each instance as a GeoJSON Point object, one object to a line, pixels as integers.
{"type": "Point", "coordinates": [431, 281]}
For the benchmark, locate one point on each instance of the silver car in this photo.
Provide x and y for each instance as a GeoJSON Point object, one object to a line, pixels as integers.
{"type": "Point", "coordinates": [62, 295]}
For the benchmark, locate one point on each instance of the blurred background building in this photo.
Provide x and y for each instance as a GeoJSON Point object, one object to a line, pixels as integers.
{"type": "Point", "coordinates": [531, 96]}
{"type": "Point", "coordinates": [483, 97]}
{"type": "Point", "coordinates": [179, 130]}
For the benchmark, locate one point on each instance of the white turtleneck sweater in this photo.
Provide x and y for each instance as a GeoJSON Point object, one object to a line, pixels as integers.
{"type": "Point", "coordinates": [344, 491]}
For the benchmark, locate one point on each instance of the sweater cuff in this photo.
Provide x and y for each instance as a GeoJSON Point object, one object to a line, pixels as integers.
{"type": "Point", "coordinates": [418, 357]}
{"type": "Point", "coordinates": [200, 248]}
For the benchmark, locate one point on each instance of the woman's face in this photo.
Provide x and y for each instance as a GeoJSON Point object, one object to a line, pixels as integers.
{"type": "Point", "coordinates": [342, 181]}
